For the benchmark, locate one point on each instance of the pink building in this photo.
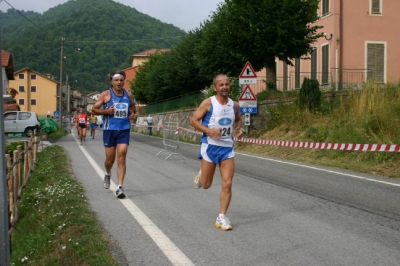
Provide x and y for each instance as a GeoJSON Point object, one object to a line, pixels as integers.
{"type": "Point", "coordinates": [361, 44]}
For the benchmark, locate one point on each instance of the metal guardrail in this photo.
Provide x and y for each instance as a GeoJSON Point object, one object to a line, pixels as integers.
{"type": "Point", "coordinates": [171, 139]}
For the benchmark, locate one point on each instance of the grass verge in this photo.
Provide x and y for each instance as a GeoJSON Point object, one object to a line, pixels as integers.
{"type": "Point", "coordinates": [56, 226]}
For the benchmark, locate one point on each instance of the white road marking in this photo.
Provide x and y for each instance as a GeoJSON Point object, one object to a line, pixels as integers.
{"type": "Point", "coordinates": [323, 170]}
{"type": "Point", "coordinates": [170, 250]}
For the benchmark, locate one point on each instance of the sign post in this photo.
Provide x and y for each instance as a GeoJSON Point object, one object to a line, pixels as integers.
{"type": "Point", "coordinates": [247, 105]}
{"type": "Point", "coordinates": [247, 100]}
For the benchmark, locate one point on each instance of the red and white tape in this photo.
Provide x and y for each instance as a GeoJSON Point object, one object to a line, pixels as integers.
{"type": "Point", "coordinates": [314, 145]}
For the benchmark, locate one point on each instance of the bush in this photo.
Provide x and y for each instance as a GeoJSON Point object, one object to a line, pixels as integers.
{"type": "Point", "coordinates": [310, 95]}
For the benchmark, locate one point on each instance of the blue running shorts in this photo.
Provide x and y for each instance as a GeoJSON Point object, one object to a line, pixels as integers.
{"type": "Point", "coordinates": [113, 137]}
{"type": "Point", "coordinates": [215, 154]}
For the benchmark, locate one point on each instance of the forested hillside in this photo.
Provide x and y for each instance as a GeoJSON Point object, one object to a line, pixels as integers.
{"type": "Point", "coordinates": [100, 36]}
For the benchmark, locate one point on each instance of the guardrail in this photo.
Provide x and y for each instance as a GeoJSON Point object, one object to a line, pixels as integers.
{"type": "Point", "coordinates": [18, 171]}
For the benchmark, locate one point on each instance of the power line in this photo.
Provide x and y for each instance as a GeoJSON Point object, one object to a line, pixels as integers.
{"type": "Point", "coordinates": [22, 14]}
{"type": "Point", "coordinates": [138, 40]}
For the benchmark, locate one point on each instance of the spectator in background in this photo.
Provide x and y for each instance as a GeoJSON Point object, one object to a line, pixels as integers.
{"type": "Point", "coordinates": [149, 120]}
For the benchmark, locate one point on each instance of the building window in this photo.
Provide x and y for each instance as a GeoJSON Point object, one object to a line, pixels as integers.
{"type": "Point", "coordinates": [21, 88]}
{"type": "Point", "coordinates": [21, 101]}
{"type": "Point", "coordinates": [21, 76]}
{"type": "Point", "coordinates": [33, 88]}
{"type": "Point", "coordinates": [33, 101]}
{"type": "Point", "coordinates": [376, 7]}
{"type": "Point", "coordinates": [297, 73]}
{"type": "Point", "coordinates": [325, 64]}
{"type": "Point", "coordinates": [376, 62]}
{"type": "Point", "coordinates": [325, 7]}
{"type": "Point", "coordinates": [314, 63]}
{"type": "Point", "coordinates": [33, 76]}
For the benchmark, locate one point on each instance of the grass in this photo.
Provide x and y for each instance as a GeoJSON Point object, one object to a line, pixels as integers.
{"type": "Point", "coordinates": [55, 224]}
{"type": "Point", "coordinates": [367, 116]}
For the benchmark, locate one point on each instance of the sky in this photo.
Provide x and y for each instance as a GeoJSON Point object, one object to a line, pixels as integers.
{"type": "Point", "coordinates": [185, 14]}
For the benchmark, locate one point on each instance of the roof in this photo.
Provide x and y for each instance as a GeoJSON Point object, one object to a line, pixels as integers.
{"type": "Point", "coordinates": [5, 58]}
{"type": "Point", "coordinates": [35, 72]}
{"type": "Point", "coordinates": [147, 53]}
{"type": "Point", "coordinates": [7, 63]}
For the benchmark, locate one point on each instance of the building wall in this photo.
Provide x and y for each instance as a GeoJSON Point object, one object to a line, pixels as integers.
{"type": "Point", "coordinates": [45, 95]}
{"type": "Point", "coordinates": [348, 49]}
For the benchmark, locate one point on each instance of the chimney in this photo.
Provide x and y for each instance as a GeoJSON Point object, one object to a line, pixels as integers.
{"type": "Point", "coordinates": [48, 75]}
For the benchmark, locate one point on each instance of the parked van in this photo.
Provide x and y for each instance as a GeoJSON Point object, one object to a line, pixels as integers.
{"type": "Point", "coordinates": [21, 122]}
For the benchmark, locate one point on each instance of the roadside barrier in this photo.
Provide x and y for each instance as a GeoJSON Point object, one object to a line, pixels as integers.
{"type": "Point", "coordinates": [18, 171]}
{"type": "Point", "coordinates": [170, 139]}
{"type": "Point", "coordinates": [316, 145]}
{"type": "Point", "coordinates": [313, 145]}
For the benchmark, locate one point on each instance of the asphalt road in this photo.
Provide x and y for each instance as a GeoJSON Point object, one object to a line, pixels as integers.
{"type": "Point", "coordinates": [282, 212]}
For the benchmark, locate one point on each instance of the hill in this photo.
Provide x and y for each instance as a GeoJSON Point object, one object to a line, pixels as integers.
{"type": "Point", "coordinates": [100, 36]}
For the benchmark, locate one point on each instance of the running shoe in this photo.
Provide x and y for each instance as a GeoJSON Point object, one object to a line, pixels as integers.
{"type": "Point", "coordinates": [107, 181]}
{"type": "Point", "coordinates": [120, 193]}
{"type": "Point", "coordinates": [223, 223]}
{"type": "Point", "coordinates": [196, 180]}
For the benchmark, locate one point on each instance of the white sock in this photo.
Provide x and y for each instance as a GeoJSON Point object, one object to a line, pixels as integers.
{"type": "Point", "coordinates": [221, 215]}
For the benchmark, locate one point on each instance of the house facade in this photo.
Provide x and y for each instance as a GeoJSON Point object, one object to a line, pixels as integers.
{"type": "Point", "coordinates": [36, 92]}
{"type": "Point", "coordinates": [360, 44]}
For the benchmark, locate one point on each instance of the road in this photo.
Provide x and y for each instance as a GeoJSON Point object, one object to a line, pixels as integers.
{"type": "Point", "coordinates": [282, 212]}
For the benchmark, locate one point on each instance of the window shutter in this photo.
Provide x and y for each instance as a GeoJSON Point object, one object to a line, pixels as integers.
{"type": "Point", "coordinates": [314, 63]}
{"type": "Point", "coordinates": [285, 76]}
{"type": "Point", "coordinates": [375, 6]}
{"type": "Point", "coordinates": [325, 64]}
{"type": "Point", "coordinates": [297, 73]}
{"type": "Point", "coordinates": [376, 62]}
{"type": "Point", "coordinates": [325, 7]}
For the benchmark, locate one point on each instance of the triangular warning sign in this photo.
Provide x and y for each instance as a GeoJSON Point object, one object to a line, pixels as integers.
{"type": "Point", "coordinates": [247, 95]}
{"type": "Point", "coordinates": [247, 72]}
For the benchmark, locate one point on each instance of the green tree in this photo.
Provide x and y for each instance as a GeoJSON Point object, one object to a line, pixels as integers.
{"type": "Point", "coordinates": [266, 29]}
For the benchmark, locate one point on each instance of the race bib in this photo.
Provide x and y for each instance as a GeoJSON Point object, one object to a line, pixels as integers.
{"type": "Point", "coordinates": [225, 126]}
{"type": "Point", "coordinates": [121, 110]}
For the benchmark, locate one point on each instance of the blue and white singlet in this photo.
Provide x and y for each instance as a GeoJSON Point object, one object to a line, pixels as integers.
{"type": "Point", "coordinates": [120, 119]}
{"type": "Point", "coordinates": [222, 117]}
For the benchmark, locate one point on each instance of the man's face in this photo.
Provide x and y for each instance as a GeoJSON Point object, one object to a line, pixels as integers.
{"type": "Point", "coordinates": [222, 85]}
{"type": "Point", "coordinates": [117, 82]}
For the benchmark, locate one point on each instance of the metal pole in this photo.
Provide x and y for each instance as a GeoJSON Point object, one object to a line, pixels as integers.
{"type": "Point", "coordinates": [4, 214]}
{"type": "Point", "coordinates": [68, 91]}
{"type": "Point", "coordinates": [60, 91]}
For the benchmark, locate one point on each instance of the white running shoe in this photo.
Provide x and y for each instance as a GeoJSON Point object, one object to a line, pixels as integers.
{"type": "Point", "coordinates": [223, 223]}
{"type": "Point", "coordinates": [107, 181]}
{"type": "Point", "coordinates": [196, 180]}
{"type": "Point", "coordinates": [120, 193]}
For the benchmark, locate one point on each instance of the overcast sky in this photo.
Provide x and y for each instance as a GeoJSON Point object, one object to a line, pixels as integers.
{"type": "Point", "coordinates": [185, 14]}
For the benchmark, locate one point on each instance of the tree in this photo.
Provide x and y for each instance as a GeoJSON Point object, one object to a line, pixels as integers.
{"type": "Point", "coordinates": [266, 29]}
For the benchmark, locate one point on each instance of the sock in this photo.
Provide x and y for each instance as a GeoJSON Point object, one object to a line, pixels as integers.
{"type": "Point", "coordinates": [221, 215]}
{"type": "Point", "coordinates": [119, 186]}
{"type": "Point", "coordinates": [108, 174]}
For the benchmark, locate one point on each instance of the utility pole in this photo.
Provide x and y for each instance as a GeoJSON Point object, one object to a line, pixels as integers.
{"type": "Point", "coordinates": [61, 75]}
{"type": "Point", "coordinates": [4, 214]}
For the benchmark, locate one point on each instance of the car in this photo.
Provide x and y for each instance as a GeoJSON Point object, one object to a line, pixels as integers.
{"type": "Point", "coordinates": [21, 122]}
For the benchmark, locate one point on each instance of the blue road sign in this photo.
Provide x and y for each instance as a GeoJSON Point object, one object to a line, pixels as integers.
{"type": "Point", "coordinates": [249, 110]}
